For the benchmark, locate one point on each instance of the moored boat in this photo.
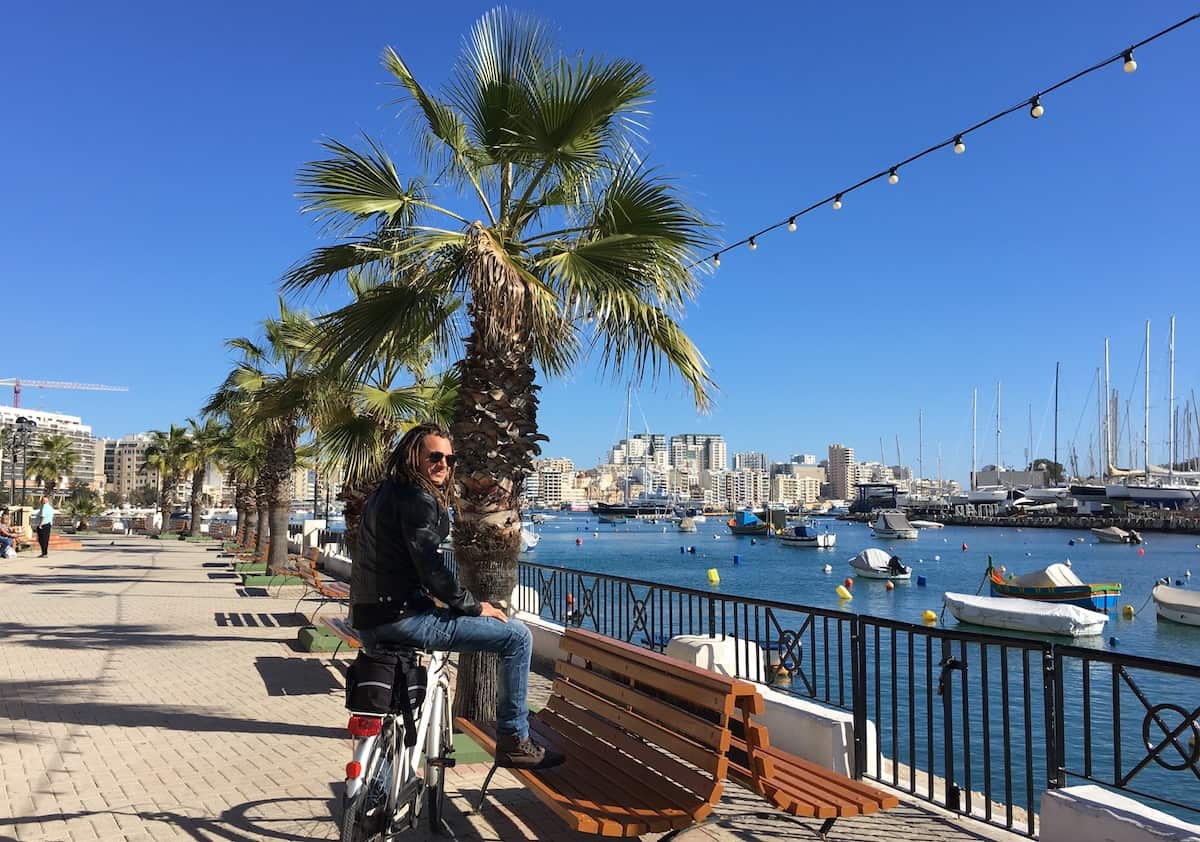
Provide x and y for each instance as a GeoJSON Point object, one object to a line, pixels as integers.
{"type": "Point", "coordinates": [1056, 584]}
{"type": "Point", "coordinates": [1024, 615]}
{"type": "Point", "coordinates": [893, 524]}
{"type": "Point", "coordinates": [1178, 605]}
{"type": "Point", "coordinates": [874, 563]}
{"type": "Point", "coordinates": [927, 524]}
{"type": "Point", "coordinates": [747, 523]}
{"type": "Point", "coordinates": [807, 535]}
{"type": "Point", "coordinates": [1116, 535]}
{"type": "Point", "coordinates": [687, 524]}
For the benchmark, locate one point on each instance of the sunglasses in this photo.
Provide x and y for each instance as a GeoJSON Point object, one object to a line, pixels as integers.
{"type": "Point", "coordinates": [436, 457]}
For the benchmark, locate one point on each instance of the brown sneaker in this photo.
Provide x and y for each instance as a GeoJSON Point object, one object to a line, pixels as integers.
{"type": "Point", "coordinates": [513, 752]}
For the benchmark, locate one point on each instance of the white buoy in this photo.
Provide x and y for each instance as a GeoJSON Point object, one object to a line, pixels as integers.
{"type": "Point", "coordinates": [937, 558]}
{"type": "Point", "coordinates": [828, 568]}
{"type": "Point", "coordinates": [1069, 563]}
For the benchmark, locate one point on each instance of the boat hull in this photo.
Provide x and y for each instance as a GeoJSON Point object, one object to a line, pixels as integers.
{"type": "Point", "coordinates": [1092, 597]}
{"type": "Point", "coordinates": [1177, 605]}
{"type": "Point", "coordinates": [900, 534]}
{"type": "Point", "coordinates": [880, 574]}
{"type": "Point", "coordinates": [753, 529]}
{"type": "Point", "coordinates": [819, 541]}
{"type": "Point", "coordinates": [1024, 615]}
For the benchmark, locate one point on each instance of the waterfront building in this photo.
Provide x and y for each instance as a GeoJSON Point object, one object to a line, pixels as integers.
{"type": "Point", "coordinates": [795, 491]}
{"type": "Point", "coordinates": [843, 474]}
{"type": "Point", "coordinates": [71, 426]}
{"type": "Point", "coordinates": [874, 472]}
{"type": "Point", "coordinates": [750, 461]}
{"type": "Point", "coordinates": [991, 475]}
{"type": "Point", "coordinates": [747, 488]}
{"type": "Point", "coordinates": [804, 459]}
{"type": "Point", "coordinates": [708, 448]}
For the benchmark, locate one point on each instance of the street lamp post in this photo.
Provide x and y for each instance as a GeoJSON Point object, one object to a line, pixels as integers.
{"type": "Point", "coordinates": [22, 433]}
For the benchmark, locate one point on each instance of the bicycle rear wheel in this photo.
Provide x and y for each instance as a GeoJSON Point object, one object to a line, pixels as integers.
{"type": "Point", "coordinates": [366, 815]}
{"type": "Point", "coordinates": [438, 746]}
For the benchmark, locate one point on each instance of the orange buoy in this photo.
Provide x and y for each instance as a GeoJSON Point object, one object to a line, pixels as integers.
{"type": "Point", "coordinates": [849, 583]}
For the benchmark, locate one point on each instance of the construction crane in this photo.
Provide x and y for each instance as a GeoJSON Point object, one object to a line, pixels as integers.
{"type": "Point", "coordinates": [17, 383]}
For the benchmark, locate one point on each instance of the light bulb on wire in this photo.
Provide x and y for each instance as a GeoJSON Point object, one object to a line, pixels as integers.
{"type": "Point", "coordinates": [1130, 64]}
{"type": "Point", "coordinates": [837, 202]}
{"type": "Point", "coordinates": [1035, 107]}
{"type": "Point", "coordinates": [792, 224]}
{"type": "Point", "coordinates": [893, 176]}
{"type": "Point", "coordinates": [753, 244]}
{"type": "Point", "coordinates": [959, 146]}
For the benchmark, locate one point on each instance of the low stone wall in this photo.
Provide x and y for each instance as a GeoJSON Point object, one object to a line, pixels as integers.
{"type": "Point", "coordinates": [1092, 812]}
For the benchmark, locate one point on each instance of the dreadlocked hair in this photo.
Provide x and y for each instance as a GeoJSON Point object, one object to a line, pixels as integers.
{"type": "Point", "coordinates": [405, 463]}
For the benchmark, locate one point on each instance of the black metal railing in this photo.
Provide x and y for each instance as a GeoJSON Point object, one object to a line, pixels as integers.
{"type": "Point", "coordinates": [295, 529]}
{"type": "Point", "coordinates": [978, 723]}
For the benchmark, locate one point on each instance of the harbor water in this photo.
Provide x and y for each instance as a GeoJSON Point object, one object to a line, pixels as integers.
{"type": "Point", "coordinates": [949, 559]}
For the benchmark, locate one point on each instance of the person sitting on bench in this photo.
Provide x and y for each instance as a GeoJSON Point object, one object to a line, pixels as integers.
{"type": "Point", "coordinates": [8, 535]}
{"type": "Point", "coordinates": [398, 571]}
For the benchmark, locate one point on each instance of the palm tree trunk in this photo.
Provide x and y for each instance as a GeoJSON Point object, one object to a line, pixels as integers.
{"type": "Point", "coordinates": [243, 501]}
{"type": "Point", "coordinates": [263, 527]}
{"type": "Point", "coordinates": [281, 458]}
{"type": "Point", "coordinates": [197, 489]}
{"type": "Point", "coordinates": [495, 436]}
{"type": "Point", "coordinates": [164, 504]}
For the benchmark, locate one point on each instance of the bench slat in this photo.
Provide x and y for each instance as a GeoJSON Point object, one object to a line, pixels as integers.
{"type": "Point", "coordinates": [666, 666]}
{"type": "Point", "coordinates": [700, 730]}
{"type": "Point", "coordinates": [794, 766]}
{"type": "Point", "coordinates": [672, 799]}
{"type": "Point", "coordinates": [686, 776]}
{"type": "Point", "coordinates": [652, 674]}
{"type": "Point", "coordinates": [693, 753]}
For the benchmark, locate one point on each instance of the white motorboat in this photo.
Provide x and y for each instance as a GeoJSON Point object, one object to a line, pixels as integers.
{"type": "Point", "coordinates": [687, 524]}
{"type": "Point", "coordinates": [874, 563]}
{"type": "Point", "coordinates": [1025, 615]}
{"type": "Point", "coordinates": [893, 524]}
{"type": "Point", "coordinates": [529, 538]}
{"type": "Point", "coordinates": [927, 524]}
{"type": "Point", "coordinates": [1178, 605]}
{"type": "Point", "coordinates": [807, 535]}
{"type": "Point", "coordinates": [1116, 535]}
{"type": "Point", "coordinates": [987, 494]}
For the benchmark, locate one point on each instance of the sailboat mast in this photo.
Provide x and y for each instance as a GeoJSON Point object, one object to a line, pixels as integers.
{"type": "Point", "coordinates": [1029, 450]}
{"type": "Point", "coordinates": [1171, 409]}
{"type": "Point", "coordinates": [921, 444]}
{"type": "Point", "coordinates": [998, 431]}
{"type": "Point", "coordinates": [974, 432]}
{"type": "Point", "coordinates": [1099, 423]}
{"type": "Point", "coordinates": [1056, 366]}
{"type": "Point", "coordinates": [628, 406]}
{"type": "Point", "coordinates": [1146, 427]}
{"type": "Point", "coordinates": [1106, 465]}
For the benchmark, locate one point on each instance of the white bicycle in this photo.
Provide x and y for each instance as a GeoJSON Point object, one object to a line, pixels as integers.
{"type": "Point", "coordinates": [391, 779]}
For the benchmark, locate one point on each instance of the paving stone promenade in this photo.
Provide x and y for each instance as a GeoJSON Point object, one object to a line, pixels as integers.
{"type": "Point", "coordinates": [145, 696]}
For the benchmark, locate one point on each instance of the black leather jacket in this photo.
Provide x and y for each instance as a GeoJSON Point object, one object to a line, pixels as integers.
{"type": "Point", "coordinates": [398, 567]}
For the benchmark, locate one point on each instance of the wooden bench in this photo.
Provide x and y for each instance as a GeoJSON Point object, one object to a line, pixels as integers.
{"type": "Point", "coordinates": [646, 738]}
{"type": "Point", "coordinates": [340, 627]}
{"type": "Point", "coordinates": [330, 590]}
{"type": "Point", "coordinates": [798, 786]}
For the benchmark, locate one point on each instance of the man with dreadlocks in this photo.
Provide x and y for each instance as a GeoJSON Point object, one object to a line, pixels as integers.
{"type": "Point", "coordinates": [398, 573]}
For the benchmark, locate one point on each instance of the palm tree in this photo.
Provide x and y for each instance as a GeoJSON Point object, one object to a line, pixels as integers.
{"type": "Point", "coordinates": [565, 241]}
{"type": "Point", "coordinates": [83, 504]}
{"type": "Point", "coordinates": [205, 443]}
{"type": "Point", "coordinates": [167, 454]}
{"type": "Point", "coordinates": [274, 390]}
{"type": "Point", "coordinates": [56, 460]}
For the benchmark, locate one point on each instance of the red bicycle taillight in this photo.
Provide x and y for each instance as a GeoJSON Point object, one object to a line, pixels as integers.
{"type": "Point", "coordinates": [364, 726]}
{"type": "Point", "coordinates": [353, 770]}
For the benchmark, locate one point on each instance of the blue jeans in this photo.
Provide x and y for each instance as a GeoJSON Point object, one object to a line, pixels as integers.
{"type": "Point", "coordinates": [442, 630]}
{"type": "Point", "coordinates": [5, 543]}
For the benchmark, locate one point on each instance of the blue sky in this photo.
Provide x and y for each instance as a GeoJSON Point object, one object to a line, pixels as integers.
{"type": "Point", "coordinates": [151, 155]}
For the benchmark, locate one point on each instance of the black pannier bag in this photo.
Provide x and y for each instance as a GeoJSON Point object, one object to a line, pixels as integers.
{"type": "Point", "coordinates": [389, 682]}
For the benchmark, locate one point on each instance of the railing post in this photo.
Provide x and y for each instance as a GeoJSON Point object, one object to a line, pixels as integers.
{"type": "Point", "coordinates": [712, 616]}
{"type": "Point", "coordinates": [947, 693]}
{"type": "Point", "coordinates": [1052, 692]}
{"type": "Point", "coordinates": [858, 693]}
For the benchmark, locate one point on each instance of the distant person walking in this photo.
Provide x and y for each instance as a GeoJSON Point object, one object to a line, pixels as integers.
{"type": "Point", "coordinates": [45, 516]}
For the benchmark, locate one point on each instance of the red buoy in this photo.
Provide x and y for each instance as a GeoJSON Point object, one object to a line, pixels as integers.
{"type": "Point", "coordinates": [578, 541]}
{"type": "Point", "coordinates": [964, 546]}
{"type": "Point", "coordinates": [849, 583]}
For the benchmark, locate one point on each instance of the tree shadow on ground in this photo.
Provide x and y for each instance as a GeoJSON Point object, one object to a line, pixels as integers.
{"type": "Point", "coordinates": [109, 637]}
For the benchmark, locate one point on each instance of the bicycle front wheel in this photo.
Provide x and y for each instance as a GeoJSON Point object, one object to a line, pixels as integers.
{"type": "Point", "coordinates": [366, 815]}
{"type": "Point", "coordinates": [438, 747]}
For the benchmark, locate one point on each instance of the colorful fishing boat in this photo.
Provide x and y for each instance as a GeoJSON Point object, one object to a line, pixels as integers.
{"type": "Point", "coordinates": [747, 523]}
{"type": "Point", "coordinates": [1056, 584]}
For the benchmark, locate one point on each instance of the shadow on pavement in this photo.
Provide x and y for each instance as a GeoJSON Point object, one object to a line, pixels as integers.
{"type": "Point", "coordinates": [295, 676]}
{"type": "Point", "coordinates": [110, 637]}
{"type": "Point", "coordinates": [289, 620]}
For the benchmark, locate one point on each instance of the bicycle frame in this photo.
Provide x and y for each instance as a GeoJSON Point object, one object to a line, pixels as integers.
{"type": "Point", "coordinates": [406, 759]}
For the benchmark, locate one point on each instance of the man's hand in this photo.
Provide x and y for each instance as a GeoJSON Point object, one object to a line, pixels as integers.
{"type": "Point", "coordinates": [486, 609]}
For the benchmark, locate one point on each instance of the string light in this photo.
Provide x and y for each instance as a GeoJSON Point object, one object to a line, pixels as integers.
{"type": "Point", "coordinates": [1036, 110]}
